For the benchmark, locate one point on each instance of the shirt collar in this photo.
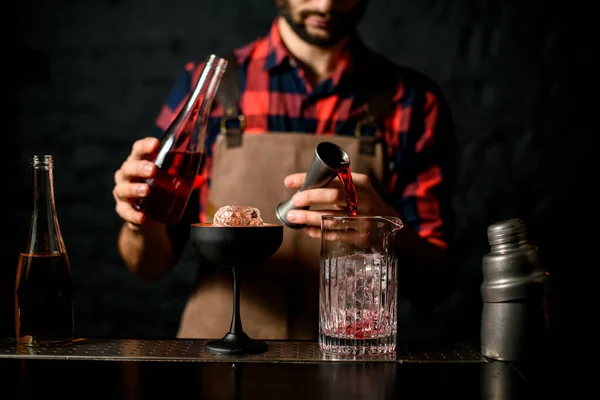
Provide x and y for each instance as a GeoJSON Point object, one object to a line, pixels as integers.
{"type": "Point", "coordinates": [278, 55]}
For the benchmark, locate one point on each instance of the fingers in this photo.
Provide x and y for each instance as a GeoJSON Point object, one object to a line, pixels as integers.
{"type": "Point", "coordinates": [312, 231]}
{"type": "Point", "coordinates": [294, 181]}
{"type": "Point", "coordinates": [124, 194]}
{"type": "Point", "coordinates": [310, 218]}
{"type": "Point", "coordinates": [143, 147]}
{"type": "Point", "coordinates": [134, 168]}
{"type": "Point", "coordinates": [130, 190]}
{"type": "Point", "coordinates": [310, 197]}
{"type": "Point", "coordinates": [332, 196]}
{"type": "Point", "coordinates": [352, 237]}
{"type": "Point", "coordinates": [129, 180]}
{"type": "Point", "coordinates": [129, 214]}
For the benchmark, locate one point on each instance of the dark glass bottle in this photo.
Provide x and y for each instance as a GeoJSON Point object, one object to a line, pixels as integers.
{"type": "Point", "coordinates": [181, 148]}
{"type": "Point", "coordinates": [43, 288]}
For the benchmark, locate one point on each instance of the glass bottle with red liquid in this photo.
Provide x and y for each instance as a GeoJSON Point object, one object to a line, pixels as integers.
{"type": "Point", "coordinates": [43, 288]}
{"type": "Point", "coordinates": [181, 148]}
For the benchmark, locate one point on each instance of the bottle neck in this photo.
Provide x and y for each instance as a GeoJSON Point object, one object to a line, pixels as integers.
{"type": "Point", "coordinates": [187, 132]}
{"type": "Point", "coordinates": [208, 85]}
{"type": "Point", "coordinates": [43, 191]}
{"type": "Point", "coordinates": [44, 234]}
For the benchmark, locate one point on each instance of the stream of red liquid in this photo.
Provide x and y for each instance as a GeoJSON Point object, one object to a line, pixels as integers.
{"type": "Point", "coordinates": [345, 176]}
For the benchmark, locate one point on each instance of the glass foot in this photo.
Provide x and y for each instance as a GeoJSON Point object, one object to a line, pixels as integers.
{"type": "Point", "coordinates": [236, 344]}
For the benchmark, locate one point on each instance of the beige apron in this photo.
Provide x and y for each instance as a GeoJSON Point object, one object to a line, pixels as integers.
{"type": "Point", "coordinates": [279, 298]}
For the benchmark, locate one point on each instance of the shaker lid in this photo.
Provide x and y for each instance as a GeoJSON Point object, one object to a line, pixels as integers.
{"type": "Point", "coordinates": [512, 269]}
{"type": "Point", "coordinates": [511, 230]}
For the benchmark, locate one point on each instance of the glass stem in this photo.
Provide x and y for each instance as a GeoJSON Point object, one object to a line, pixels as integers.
{"type": "Point", "coordinates": [236, 321]}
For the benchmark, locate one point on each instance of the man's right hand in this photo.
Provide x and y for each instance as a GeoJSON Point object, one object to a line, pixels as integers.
{"type": "Point", "coordinates": [144, 245]}
{"type": "Point", "coordinates": [129, 180]}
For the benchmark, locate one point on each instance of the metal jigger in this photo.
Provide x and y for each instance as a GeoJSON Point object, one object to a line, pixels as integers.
{"type": "Point", "coordinates": [323, 169]}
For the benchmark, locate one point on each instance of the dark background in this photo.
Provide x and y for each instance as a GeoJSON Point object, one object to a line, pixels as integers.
{"type": "Point", "coordinates": [84, 79]}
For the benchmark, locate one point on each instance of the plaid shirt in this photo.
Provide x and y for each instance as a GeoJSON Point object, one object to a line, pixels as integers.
{"type": "Point", "coordinates": [275, 96]}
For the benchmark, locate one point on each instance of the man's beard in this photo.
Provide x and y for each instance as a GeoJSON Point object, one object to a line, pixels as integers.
{"type": "Point", "coordinates": [344, 23]}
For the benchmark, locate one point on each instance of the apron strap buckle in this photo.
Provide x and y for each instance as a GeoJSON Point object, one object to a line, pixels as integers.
{"type": "Point", "coordinates": [367, 143]}
{"type": "Point", "coordinates": [233, 135]}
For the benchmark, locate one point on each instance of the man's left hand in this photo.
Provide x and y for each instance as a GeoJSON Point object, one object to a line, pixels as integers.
{"type": "Point", "coordinates": [331, 200]}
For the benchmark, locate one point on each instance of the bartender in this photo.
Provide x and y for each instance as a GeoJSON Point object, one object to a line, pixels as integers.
{"type": "Point", "coordinates": [309, 79]}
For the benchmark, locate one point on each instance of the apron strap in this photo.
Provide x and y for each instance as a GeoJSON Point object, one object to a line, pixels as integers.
{"type": "Point", "coordinates": [228, 95]}
{"type": "Point", "coordinates": [377, 97]}
{"type": "Point", "coordinates": [377, 105]}
{"type": "Point", "coordinates": [376, 81]}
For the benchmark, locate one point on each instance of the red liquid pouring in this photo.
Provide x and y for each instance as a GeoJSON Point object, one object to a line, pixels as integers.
{"type": "Point", "coordinates": [171, 187]}
{"type": "Point", "coordinates": [345, 176]}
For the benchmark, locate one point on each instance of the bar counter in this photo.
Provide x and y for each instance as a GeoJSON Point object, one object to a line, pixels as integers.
{"type": "Point", "coordinates": [147, 369]}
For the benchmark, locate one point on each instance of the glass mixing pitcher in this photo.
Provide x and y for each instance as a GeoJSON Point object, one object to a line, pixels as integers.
{"type": "Point", "coordinates": [358, 285]}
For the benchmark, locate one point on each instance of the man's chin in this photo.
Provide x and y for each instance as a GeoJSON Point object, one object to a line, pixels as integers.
{"type": "Point", "coordinates": [315, 36]}
{"type": "Point", "coordinates": [319, 39]}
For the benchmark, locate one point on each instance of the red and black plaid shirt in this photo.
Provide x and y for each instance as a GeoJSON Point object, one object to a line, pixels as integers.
{"type": "Point", "coordinates": [275, 96]}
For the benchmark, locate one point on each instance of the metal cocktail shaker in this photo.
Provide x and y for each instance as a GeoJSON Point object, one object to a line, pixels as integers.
{"type": "Point", "coordinates": [514, 318]}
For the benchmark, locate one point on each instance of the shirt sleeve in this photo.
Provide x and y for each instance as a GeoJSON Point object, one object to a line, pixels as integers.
{"type": "Point", "coordinates": [179, 92]}
{"type": "Point", "coordinates": [422, 165]}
